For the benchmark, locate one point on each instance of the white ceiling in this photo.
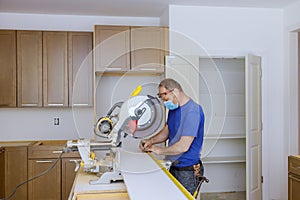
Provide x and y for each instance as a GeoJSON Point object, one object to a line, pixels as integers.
{"type": "Point", "coordinates": [138, 8]}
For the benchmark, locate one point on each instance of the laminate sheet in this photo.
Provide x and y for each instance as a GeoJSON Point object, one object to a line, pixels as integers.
{"type": "Point", "coordinates": [144, 178]}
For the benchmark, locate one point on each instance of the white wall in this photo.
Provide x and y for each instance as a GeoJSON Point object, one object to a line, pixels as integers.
{"type": "Point", "coordinates": [291, 116]}
{"type": "Point", "coordinates": [238, 31]}
{"type": "Point", "coordinates": [164, 18]}
{"type": "Point", "coordinates": [37, 123]}
{"type": "Point", "coordinates": [291, 26]}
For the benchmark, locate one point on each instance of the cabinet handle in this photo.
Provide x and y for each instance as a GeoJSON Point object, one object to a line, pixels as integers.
{"type": "Point", "coordinates": [55, 104]}
{"type": "Point", "coordinates": [74, 161]}
{"type": "Point", "coordinates": [29, 104]}
{"type": "Point", "coordinates": [148, 69]}
{"type": "Point", "coordinates": [77, 162]}
{"type": "Point", "coordinates": [57, 152]}
{"type": "Point", "coordinates": [114, 68]}
{"type": "Point", "coordinates": [44, 161]}
{"type": "Point", "coordinates": [80, 104]}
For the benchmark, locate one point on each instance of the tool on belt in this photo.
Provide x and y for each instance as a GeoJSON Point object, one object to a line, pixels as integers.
{"type": "Point", "coordinates": [199, 178]}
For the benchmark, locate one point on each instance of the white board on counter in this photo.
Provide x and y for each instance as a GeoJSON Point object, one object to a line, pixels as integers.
{"type": "Point", "coordinates": [145, 179]}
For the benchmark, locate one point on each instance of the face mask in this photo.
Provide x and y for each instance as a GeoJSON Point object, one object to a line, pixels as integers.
{"type": "Point", "coordinates": [170, 105]}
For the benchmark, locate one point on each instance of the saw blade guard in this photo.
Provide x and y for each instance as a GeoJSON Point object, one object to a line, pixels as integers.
{"type": "Point", "coordinates": [140, 117]}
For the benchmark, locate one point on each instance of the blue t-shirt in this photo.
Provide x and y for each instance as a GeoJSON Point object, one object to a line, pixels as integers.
{"type": "Point", "coordinates": [186, 120]}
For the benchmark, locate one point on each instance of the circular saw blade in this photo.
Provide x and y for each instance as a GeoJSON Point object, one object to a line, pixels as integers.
{"type": "Point", "coordinates": [148, 122]}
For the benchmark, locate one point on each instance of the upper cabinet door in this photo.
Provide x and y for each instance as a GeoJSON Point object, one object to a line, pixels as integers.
{"type": "Point", "coordinates": [148, 48]}
{"type": "Point", "coordinates": [55, 68]}
{"type": "Point", "coordinates": [112, 48]}
{"type": "Point", "coordinates": [30, 77]}
{"type": "Point", "coordinates": [8, 72]}
{"type": "Point", "coordinates": [80, 68]}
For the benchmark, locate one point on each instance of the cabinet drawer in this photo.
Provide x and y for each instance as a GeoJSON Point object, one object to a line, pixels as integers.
{"type": "Point", "coordinates": [44, 151]}
{"type": "Point", "coordinates": [74, 154]}
{"type": "Point", "coordinates": [293, 185]}
{"type": "Point", "coordinates": [294, 165]}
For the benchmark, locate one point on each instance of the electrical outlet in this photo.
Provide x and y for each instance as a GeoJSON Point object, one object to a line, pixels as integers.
{"type": "Point", "coordinates": [56, 121]}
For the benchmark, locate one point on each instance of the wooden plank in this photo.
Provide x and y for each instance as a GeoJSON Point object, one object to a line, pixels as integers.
{"type": "Point", "coordinates": [103, 196]}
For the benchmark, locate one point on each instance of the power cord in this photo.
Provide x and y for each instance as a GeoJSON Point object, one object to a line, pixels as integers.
{"type": "Point", "coordinates": [35, 177]}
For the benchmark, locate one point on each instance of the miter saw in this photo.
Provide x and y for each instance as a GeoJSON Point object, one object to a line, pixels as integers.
{"type": "Point", "coordinates": [139, 117]}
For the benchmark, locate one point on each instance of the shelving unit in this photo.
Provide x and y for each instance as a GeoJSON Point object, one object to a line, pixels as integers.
{"type": "Point", "coordinates": [222, 96]}
{"type": "Point", "coordinates": [222, 159]}
{"type": "Point", "coordinates": [229, 136]}
{"type": "Point", "coordinates": [228, 89]}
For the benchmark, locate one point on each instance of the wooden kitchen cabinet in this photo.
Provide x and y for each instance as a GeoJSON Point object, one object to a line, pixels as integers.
{"type": "Point", "coordinates": [47, 186]}
{"type": "Point", "coordinates": [62, 76]}
{"type": "Point", "coordinates": [29, 68]}
{"type": "Point", "coordinates": [149, 47]}
{"type": "Point", "coordinates": [55, 69]}
{"type": "Point", "coordinates": [68, 166]}
{"type": "Point", "coordinates": [40, 158]}
{"type": "Point", "coordinates": [8, 72]}
{"type": "Point", "coordinates": [136, 49]}
{"type": "Point", "coordinates": [112, 48]}
{"type": "Point", "coordinates": [57, 183]}
{"type": "Point", "coordinates": [80, 47]}
{"type": "Point", "coordinates": [13, 171]}
{"type": "Point", "coordinates": [293, 177]}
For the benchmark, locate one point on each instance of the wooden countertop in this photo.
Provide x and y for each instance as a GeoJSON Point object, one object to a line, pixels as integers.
{"type": "Point", "coordinates": [81, 186]}
{"type": "Point", "coordinates": [33, 143]}
{"type": "Point", "coordinates": [17, 143]}
{"type": "Point", "coordinates": [297, 156]}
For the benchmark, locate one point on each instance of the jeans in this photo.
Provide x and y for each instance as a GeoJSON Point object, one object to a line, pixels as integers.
{"type": "Point", "coordinates": [187, 178]}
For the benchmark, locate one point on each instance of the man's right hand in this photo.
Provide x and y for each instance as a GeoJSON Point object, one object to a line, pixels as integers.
{"type": "Point", "coordinates": [145, 145]}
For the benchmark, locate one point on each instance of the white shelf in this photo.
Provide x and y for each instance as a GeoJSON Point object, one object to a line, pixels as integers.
{"type": "Point", "coordinates": [225, 136]}
{"type": "Point", "coordinates": [215, 160]}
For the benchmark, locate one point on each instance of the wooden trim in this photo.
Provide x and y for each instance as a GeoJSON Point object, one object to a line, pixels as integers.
{"type": "Point", "coordinates": [298, 92]}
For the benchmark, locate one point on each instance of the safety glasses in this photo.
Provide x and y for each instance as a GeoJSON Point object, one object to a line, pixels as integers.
{"type": "Point", "coordinates": [161, 95]}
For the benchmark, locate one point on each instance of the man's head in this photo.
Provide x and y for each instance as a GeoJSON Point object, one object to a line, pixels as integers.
{"type": "Point", "coordinates": [169, 91]}
{"type": "Point", "coordinates": [170, 84]}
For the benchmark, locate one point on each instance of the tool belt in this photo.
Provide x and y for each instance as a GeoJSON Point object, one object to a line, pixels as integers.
{"type": "Point", "coordinates": [197, 172]}
{"type": "Point", "coordinates": [187, 168]}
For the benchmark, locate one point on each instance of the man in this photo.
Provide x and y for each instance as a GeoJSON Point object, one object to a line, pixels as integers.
{"type": "Point", "coordinates": [184, 131]}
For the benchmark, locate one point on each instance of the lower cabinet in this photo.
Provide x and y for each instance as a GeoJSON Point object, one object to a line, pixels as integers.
{"type": "Point", "coordinates": [13, 171]}
{"type": "Point", "coordinates": [294, 178]}
{"type": "Point", "coordinates": [56, 184]}
{"type": "Point", "coordinates": [46, 187]}
{"type": "Point", "coordinates": [68, 174]}
{"type": "Point", "coordinates": [21, 161]}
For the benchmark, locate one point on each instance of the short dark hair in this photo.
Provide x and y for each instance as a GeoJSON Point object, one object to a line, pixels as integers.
{"type": "Point", "coordinates": [170, 84]}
